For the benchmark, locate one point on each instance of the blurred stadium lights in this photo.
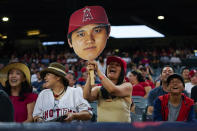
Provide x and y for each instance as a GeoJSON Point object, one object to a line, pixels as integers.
{"type": "Point", "coordinates": [53, 43]}
{"type": "Point", "coordinates": [5, 19]}
{"type": "Point", "coordinates": [160, 17]}
{"type": "Point", "coordinates": [134, 31]}
{"type": "Point", "coordinates": [33, 32]}
{"type": "Point", "coordinates": [4, 37]}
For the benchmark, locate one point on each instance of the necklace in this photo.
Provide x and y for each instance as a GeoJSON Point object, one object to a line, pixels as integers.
{"type": "Point", "coordinates": [56, 96]}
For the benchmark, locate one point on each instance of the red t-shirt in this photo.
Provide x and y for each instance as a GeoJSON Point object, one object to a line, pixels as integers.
{"type": "Point", "coordinates": [138, 90]}
{"type": "Point", "coordinates": [151, 84]}
{"type": "Point", "coordinates": [20, 107]}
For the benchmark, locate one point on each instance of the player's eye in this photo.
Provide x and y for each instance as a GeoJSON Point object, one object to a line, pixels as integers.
{"type": "Point", "coordinates": [81, 34]}
{"type": "Point", "coordinates": [97, 30]}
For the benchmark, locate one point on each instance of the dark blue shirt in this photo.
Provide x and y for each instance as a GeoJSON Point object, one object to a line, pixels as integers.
{"type": "Point", "coordinates": [38, 86]}
{"type": "Point", "coordinates": [154, 93]}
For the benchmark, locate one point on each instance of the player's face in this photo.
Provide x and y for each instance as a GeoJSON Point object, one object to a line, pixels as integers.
{"type": "Point", "coordinates": [89, 41]}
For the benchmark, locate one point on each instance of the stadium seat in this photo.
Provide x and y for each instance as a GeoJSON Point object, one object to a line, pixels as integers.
{"type": "Point", "coordinates": [136, 117]}
{"type": "Point", "coordinates": [94, 110]}
{"type": "Point", "coordinates": [140, 104]}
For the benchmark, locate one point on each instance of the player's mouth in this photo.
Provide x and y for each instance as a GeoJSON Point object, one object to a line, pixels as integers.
{"type": "Point", "coordinates": [90, 48]}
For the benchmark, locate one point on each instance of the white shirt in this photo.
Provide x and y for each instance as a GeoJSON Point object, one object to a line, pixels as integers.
{"type": "Point", "coordinates": [34, 78]}
{"type": "Point", "coordinates": [127, 59]}
{"type": "Point", "coordinates": [188, 87]}
{"type": "Point", "coordinates": [175, 60]}
{"type": "Point", "coordinates": [48, 108]}
{"type": "Point", "coordinates": [101, 67]}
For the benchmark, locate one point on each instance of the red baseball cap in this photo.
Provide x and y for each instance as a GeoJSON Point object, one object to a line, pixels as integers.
{"type": "Point", "coordinates": [119, 60]}
{"type": "Point", "coordinates": [192, 73]}
{"type": "Point", "coordinates": [87, 15]}
{"type": "Point", "coordinates": [83, 69]}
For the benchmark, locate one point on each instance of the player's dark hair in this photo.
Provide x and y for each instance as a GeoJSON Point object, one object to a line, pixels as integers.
{"type": "Point", "coordinates": [107, 27]}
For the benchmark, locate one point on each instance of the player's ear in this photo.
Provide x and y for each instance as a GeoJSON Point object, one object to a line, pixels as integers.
{"type": "Point", "coordinates": [70, 43]}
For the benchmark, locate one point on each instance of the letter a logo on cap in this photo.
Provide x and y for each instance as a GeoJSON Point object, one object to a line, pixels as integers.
{"type": "Point", "coordinates": [87, 15]}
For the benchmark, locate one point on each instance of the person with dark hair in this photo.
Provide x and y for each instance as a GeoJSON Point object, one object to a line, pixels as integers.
{"type": "Point", "coordinates": [174, 106]}
{"type": "Point", "coordinates": [82, 80]}
{"type": "Point", "coordinates": [70, 76]}
{"type": "Point", "coordinates": [58, 102]}
{"type": "Point", "coordinates": [38, 84]}
{"type": "Point", "coordinates": [114, 96]}
{"type": "Point", "coordinates": [185, 74]}
{"type": "Point", "coordinates": [161, 90]}
{"type": "Point", "coordinates": [193, 81]}
{"type": "Point", "coordinates": [18, 87]}
{"type": "Point", "coordinates": [88, 31]}
{"type": "Point", "coordinates": [7, 110]}
{"type": "Point", "coordinates": [140, 87]}
{"type": "Point", "coordinates": [147, 75]}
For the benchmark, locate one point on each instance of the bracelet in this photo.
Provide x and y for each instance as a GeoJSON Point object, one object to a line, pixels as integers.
{"type": "Point", "coordinates": [101, 77]}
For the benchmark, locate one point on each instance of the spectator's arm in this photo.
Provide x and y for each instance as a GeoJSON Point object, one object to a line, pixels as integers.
{"type": "Point", "coordinates": [157, 113]}
{"type": "Point", "coordinates": [37, 111]}
{"type": "Point", "coordinates": [157, 83]}
{"type": "Point", "coordinates": [82, 115]}
{"type": "Point", "coordinates": [150, 103]}
{"type": "Point", "coordinates": [149, 72]}
{"type": "Point", "coordinates": [150, 110]}
{"type": "Point", "coordinates": [89, 93]}
{"type": "Point", "coordinates": [30, 108]}
{"type": "Point", "coordinates": [147, 90]}
{"type": "Point", "coordinates": [191, 115]}
{"type": "Point", "coordinates": [122, 90]}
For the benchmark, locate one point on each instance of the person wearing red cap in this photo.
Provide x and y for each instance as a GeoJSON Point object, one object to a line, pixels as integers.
{"type": "Point", "coordinates": [114, 96]}
{"type": "Point", "coordinates": [88, 31]}
{"type": "Point", "coordinates": [193, 81]}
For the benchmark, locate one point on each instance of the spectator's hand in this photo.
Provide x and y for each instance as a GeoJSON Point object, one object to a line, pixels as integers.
{"type": "Point", "coordinates": [39, 119]}
{"type": "Point", "coordinates": [147, 70]}
{"type": "Point", "coordinates": [92, 65]}
{"type": "Point", "coordinates": [70, 117]}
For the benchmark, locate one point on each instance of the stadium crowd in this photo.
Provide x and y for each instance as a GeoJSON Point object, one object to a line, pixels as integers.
{"type": "Point", "coordinates": [147, 71]}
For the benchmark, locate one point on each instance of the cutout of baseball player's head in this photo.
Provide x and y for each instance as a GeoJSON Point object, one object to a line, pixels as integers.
{"type": "Point", "coordinates": [88, 31]}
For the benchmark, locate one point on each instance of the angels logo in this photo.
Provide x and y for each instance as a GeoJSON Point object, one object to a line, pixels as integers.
{"type": "Point", "coordinates": [87, 15]}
